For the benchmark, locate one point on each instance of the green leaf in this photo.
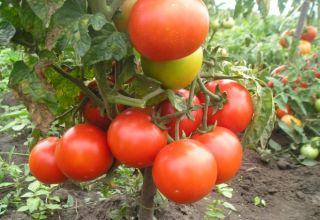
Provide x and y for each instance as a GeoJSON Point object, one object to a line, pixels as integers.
{"type": "Point", "coordinates": [34, 186]}
{"type": "Point", "coordinates": [177, 101]}
{"type": "Point", "coordinates": [71, 11]}
{"type": "Point", "coordinates": [23, 209]}
{"type": "Point", "coordinates": [33, 204]}
{"type": "Point", "coordinates": [229, 206]}
{"type": "Point", "coordinates": [7, 31]}
{"type": "Point", "coordinates": [53, 206]}
{"type": "Point", "coordinates": [264, 7]}
{"type": "Point", "coordinates": [282, 5]}
{"type": "Point", "coordinates": [27, 195]}
{"type": "Point", "coordinates": [262, 123]}
{"type": "Point", "coordinates": [308, 162]}
{"type": "Point", "coordinates": [6, 184]}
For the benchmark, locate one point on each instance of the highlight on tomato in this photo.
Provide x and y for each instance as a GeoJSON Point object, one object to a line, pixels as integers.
{"type": "Point", "coordinates": [83, 153]}
{"type": "Point", "coordinates": [184, 171]}
{"type": "Point", "coordinates": [162, 32]}
{"type": "Point", "coordinates": [43, 164]}
{"type": "Point", "coordinates": [134, 139]}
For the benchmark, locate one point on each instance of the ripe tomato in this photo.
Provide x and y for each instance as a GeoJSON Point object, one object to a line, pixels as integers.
{"type": "Point", "coordinates": [284, 80]}
{"type": "Point", "coordinates": [92, 115]}
{"type": "Point", "coordinates": [134, 140]}
{"type": "Point", "coordinates": [184, 171]}
{"type": "Point", "coordinates": [186, 124]}
{"type": "Point", "coordinates": [309, 33]}
{"type": "Point", "coordinates": [121, 21]}
{"type": "Point", "coordinates": [278, 70]}
{"type": "Point", "coordinates": [270, 84]}
{"type": "Point", "coordinates": [289, 119]}
{"type": "Point", "coordinates": [42, 162]}
{"type": "Point", "coordinates": [281, 112]}
{"type": "Point", "coordinates": [283, 41]}
{"type": "Point", "coordinates": [174, 74]}
{"type": "Point", "coordinates": [83, 153]}
{"type": "Point", "coordinates": [237, 112]}
{"type": "Point", "coordinates": [168, 29]}
{"type": "Point", "coordinates": [226, 149]}
{"type": "Point", "coordinates": [304, 47]}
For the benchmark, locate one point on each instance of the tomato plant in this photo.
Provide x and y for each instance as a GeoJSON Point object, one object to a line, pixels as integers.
{"type": "Point", "coordinates": [187, 125]}
{"type": "Point", "coordinates": [83, 153]}
{"type": "Point", "coordinates": [226, 149]}
{"type": "Point", "coordinates": [191, 169]}
{"type": "Point", "coordinates": [166, 29]}
{"type": "Point", "coordinates": [43, 164]}
{"type": "Point", "coordinates": [134, 140]}
{"type": "Point", "coordinates": [237, 112]}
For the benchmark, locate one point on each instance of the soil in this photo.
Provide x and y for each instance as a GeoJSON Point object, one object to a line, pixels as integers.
{"type": "Point", "coordinates": [291, 193]}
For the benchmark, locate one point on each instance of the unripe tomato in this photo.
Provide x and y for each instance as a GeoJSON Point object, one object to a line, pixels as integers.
{"type": "Point", "coordinates": [304, 47]}
{"type": "Point", "coordinates": [83, 153]}
{"type": "Point", "coordinates": [237, 112]}
{"type": "Point", "coordinates": [121, 21]}
{"type": "Point", "coordinates": [184, 171]}
{"type": "Point", "coordinates": [309, 33]}
{"type": "Point", "coordinates": [317, 105]}
{"type": "Point", "coordinates": [134, 140]}
{"type": "Point", "coordinates": [168, 29]}
{"type": "Point", "coordinates": [186, 124]}
{"type": "Point", "coordinates": [174, 74]}
{"type": "Point", "coordinates": [281, 112]}
{"type": "Point", "coordinates": [93, 115]}
{"type": "Point", "coordinates": [226, 149]}
{"type": "Point", "coordinates": [309, 152]}
{"type": "Point", "coordinates": [215, 24]}
{"type": "Point", "coordinates": [289, 119]}
{"type": "Point", "coordinates": [228, 23]}
{"type": "Point", "coordinates": [43, 164]}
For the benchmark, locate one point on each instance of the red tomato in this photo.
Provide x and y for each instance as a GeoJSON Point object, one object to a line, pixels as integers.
{"type": "Point", "coordinates": [121, 21]}
{"type": "Point", "coordinates": [278, 70]}
{"type": "Point", "coordinates": [186, 124]}
{"type": "Point", "coordinates": [309, 33]}
{"type": "Point", "coordinates": [226, 149]}
{"type": "Point", "coordinates": [42, 162]}
{"type": "Point", "coordinates": [134, 140]}
{"type": "Point", "coordinates": [83, 153]}
{"type": "Point", "coordinates": [284, 38]}
{"type": "Point", "coordinates": [92, 115]}
{"type": "Point", "coordinates": [281, 112]}
{"type": "Point", "coordinates": [184, 171]}
{"type": "Point", "coordinates": [270, 84]}
{"type": "Point", "coordinates": [237, 112]}
{"type": "Point", "coordinates": [168, 29]}
{"type": "Point", "coordinates": [284, 80]}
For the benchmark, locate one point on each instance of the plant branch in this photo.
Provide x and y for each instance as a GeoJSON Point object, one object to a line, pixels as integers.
{"type": "Point", "coordinates": [206, 91]}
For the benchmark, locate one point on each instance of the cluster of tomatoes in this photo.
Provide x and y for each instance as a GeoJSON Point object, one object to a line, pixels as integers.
{"type": "Point", "coordinates": [184, 170]}
{"type": "Point", "coordinates": [308, 35]}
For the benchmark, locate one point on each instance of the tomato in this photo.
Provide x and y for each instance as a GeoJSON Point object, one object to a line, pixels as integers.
{"type": "Point", "coordinates": [186, 124]}
{"type": "Point", "coordinates": [317, 105]}
{"type": "Point", "coordinates": [283, 41]}
{"type": "Point", "coordinates": [278, 70]}
{"type": "Point", "coordinates": [168, 29]}
{"type": "Point", "coordinates": [309, 152]}
{"type": "Point", "coordinates": [315, 142]}
{"type": "Point", "coordinates": [215, 24]}
{"type": "Point", "coordinates": [281, 112]}
{"type": "Point", "coordinates": [226, 149]}
{"type": "Point", "coordinates": [43, 164]}
{"type": "Point", "coordinates": [289, 119]}
{"type": "Point", "coordinates": [270, 84]}
{"type": "Point", "coordinates": [304, 47]}
{"type": "Point", "coordinates": [309, 33]}
{"type": "Point", "coordinates": [316, 72]}
{"type": "Point", "coordinates": [174, 74]}
{"type": "Point", "coordinates": [284, 80]}
{"type": "Point", "coordinates": [121, 21]}
{"type": "Point", "coordinates": [134, 140]}
{"type": "Point", "coordinates": [92, 115]}
{"type": "Point", "coordinates": [236, 114]}
{"type": "Point", "coordinates": [83, 153]}
{"type": "Point", "coordinates": [228, 23]}
{"type": "Point", "coordinates": [184, 171]}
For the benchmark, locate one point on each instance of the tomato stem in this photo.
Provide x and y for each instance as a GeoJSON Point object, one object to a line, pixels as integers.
{"type": "Point", "coordinates": [205, 113]}
{"type": "Point", "coordinates": [206, 91]}
{"type": "Point", "coordinates": [177, 127]}
{"type": "Point", "coordinates": [148, 192]}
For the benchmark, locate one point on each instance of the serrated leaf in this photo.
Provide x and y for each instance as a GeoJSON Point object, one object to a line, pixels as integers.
{"type": "Point", "coordinates": [7, 31]}
{"type": "Point", "coordinates": [262, 122]}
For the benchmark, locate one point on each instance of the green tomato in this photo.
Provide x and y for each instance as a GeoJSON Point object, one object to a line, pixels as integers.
{"type": "Point", "coordinates": [315, 142]}
{"type": "Point", "coordinates": [228, 23]}
{"type": "Point", "coordinates": [174, 74]}
{"type": "Point", "coordinates": [215, 24]}
{"type": "Point", "coordinates": [309, 152]}
{"type": "Point", "coordinates": [317, 105]}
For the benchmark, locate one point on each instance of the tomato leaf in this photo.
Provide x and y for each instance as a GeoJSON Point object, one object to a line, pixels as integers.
{"type": "Point", "coordinates": [263, 120]}
{"type": "Point", "coordinates": [7, 31]}
{"type": "Point", "coordinates": [176, 100]}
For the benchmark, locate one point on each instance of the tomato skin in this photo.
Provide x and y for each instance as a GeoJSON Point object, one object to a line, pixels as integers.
{"type": "Point", "coordinates": [184, 171]}
{"type": "Point", "coordinates": [309, 34]}
{"type": "Point", "coordinates": [174, 74]}
{"type": "Point", "coordinates": [42, 162]}
{"type": "Point", "coordinates": [304, 47]}
{"type": "Point", "coordinates": [226, 149]}
{"type": "Point", "coordinates": [237, 112]}
{"type": "Point", "coordinates": [186, 124]}
{"type": "Point", "coordinates": [121, 21]}
{"type": "Point", "coordinates": [287, 119]}
{"type": "Point", "coordinates": [167, 29]}
{"type": "Point", "coordinates": [134, 140]}
{"type": "Point", "coordinates": [281, 112]}
{"type": "Point", "coordinates": [83, 153]}
{"type": "Point", "coordinates": [92, 115]}
{"type": "Point", "coordinates": [309, 152]}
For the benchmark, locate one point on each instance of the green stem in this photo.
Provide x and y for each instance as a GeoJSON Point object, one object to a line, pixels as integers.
{"type": "Point", "coordinates": [205, 113]}
{"type": "Point", "coordinates": [206, 91]}
{"type": "Point", "coordinates": [191, 94]}
{"type": "Point", "coordinates": [11, 153]}
{"type": "Point", "coordinates": [177, 127]}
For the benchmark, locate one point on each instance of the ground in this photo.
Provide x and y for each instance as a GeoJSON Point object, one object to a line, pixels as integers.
{"type": "Point", "coordinates": [291, 193]}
